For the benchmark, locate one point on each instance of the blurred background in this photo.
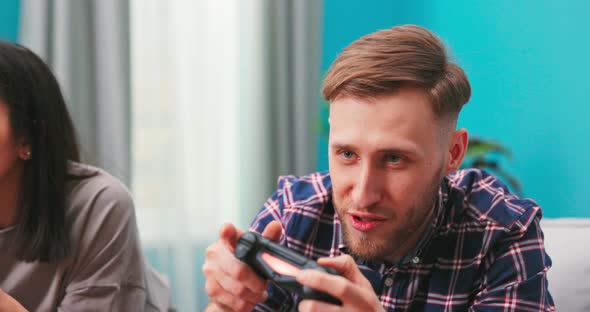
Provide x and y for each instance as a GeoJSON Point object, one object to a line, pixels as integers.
{"type": "Point", "coordinates": [198, 105]}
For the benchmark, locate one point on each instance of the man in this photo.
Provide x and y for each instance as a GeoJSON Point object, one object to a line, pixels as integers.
{"type": "Point", "coordinates": [407, 231]}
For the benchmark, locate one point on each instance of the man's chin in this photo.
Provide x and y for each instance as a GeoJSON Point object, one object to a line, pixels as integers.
{"type": "Point", "coordinates": [362, 246]}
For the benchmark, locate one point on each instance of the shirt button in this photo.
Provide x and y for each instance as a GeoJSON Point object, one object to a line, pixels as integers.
{"type": "Point", "coordinates": [415, 260]}
{"type": "Point", "coordinates": [388, 282]}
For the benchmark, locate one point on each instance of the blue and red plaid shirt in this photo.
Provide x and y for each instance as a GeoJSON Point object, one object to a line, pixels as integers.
{"type": "Point", "coordinates": [483, 250]}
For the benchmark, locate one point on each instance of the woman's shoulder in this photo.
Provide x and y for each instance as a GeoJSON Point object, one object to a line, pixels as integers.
{"type": "Point", "coordinates": [92, 190]}
{"type": "Point", "coordinates": [105, 241]}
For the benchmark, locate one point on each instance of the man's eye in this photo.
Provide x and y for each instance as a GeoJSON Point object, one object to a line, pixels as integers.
{"type": "Point", "coordinates": [393, 158]}
{"type": "Point", "coordinates": [347, 155]}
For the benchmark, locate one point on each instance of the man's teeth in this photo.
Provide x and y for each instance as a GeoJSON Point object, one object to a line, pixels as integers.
{"type": "Point", "coordinates": [366, 219]}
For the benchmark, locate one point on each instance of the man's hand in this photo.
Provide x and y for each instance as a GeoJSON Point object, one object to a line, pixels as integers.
{"type": "Point", "coordinates": [352, 288]}
{"type": "Point", "coordinates": [9, 304]}
{"type": "Point", "coordinates": [230, 283]}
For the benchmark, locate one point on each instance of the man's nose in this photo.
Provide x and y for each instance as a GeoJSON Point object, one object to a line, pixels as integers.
{"type": "Point", "coordinates": [368, 188]}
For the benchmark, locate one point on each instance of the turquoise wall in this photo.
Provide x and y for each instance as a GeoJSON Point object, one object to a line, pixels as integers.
{"type": "Point", "coordinates": [528, 65]}
{"type": "Point", "coordinates": [9, 13]}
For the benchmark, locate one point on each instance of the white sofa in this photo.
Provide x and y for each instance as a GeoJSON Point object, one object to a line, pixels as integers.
{"type": "Point", "coordinates": [568, 244]}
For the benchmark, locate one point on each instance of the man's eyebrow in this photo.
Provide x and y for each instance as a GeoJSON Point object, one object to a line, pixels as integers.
{"type": "Point", "coordinates": [408, 149]}
{"type": "Point", "coordinates": [341, 146]}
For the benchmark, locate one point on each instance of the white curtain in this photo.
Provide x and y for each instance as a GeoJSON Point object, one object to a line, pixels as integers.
{"type": "Point", "coordinates": [224, 99]}
{"type": "Point", "coordinates": [86, 42]}
{"type": "Point", "coordinates": [185, 73]}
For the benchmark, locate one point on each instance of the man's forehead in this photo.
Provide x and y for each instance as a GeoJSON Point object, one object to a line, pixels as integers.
{"type": "Point", "coordinates": [403, 121]}
{"type": "Point", "coordinates": [409, 105]}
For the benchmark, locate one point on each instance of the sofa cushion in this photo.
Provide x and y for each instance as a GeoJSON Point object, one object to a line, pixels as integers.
{"type": "Point", "coordinates": [567, 241]}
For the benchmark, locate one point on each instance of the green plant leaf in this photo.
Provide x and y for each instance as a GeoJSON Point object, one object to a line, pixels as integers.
{"type": "Point", "coordinates": [479, 148]}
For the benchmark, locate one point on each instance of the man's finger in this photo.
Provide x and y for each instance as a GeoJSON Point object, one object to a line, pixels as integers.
{"type": "Point", "coordinates": [224, 301]}
{"type": "Point", "coordinates": [217, 307]}
{"type": "Point", "coordinates": [337, 286]}
{"type": "Point", "coordinates": [273, 231]}
{"type": "Point", "coordinates": [346, 266]}
{"type": "Point", "coordinates": [252, 290]}
{"type": "Point", "coordinates": [216, 268]}
{"type": "Point", "coordinates": [242, 291]}
{"type": "Point", "coordinates": [229, 302]}
{"type": "Point", "coordinates": [314, 305]}
{"type": "Point", "coordinates": [242, 273]}
{"type": "Point", "coordinates": [230, 235]}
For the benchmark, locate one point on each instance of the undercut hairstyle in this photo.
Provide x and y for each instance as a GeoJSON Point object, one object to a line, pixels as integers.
{"type": "Point", "coordinates": [381, 63]}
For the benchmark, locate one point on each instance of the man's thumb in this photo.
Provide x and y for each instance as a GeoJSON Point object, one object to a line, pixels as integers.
{"type": "Point", "coordinates": [345, 265]}
{"type": "Point", "coordinates": [273, 231]}
{"type": "Point", "coordinates": [230, 235]}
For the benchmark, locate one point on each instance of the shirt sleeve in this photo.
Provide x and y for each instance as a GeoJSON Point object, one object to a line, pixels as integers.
{"type": "Point", "coordinates": [516, 272]}
{"type": "Point", "coordinates": [272, 210]}
{"type": "Point", "coordinates": [107, 266]}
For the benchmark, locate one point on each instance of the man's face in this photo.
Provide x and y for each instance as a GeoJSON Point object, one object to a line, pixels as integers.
{"type": "Point", "coordinates": [386, 164]}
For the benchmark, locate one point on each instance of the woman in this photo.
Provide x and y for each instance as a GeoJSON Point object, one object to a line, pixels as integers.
{"type": "Point", "coordinates": [68, 237]}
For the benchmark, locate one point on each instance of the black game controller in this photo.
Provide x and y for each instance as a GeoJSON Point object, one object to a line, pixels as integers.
{"type": "Point", "coordinates": [280, 264]}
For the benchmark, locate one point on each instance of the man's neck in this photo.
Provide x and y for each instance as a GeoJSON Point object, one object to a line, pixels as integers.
{"type": "Point", "coordinates": [413, 240]}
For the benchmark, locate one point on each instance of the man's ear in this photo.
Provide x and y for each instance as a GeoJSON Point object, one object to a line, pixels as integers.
{"type": "Point", "coordinates": [456, 150]}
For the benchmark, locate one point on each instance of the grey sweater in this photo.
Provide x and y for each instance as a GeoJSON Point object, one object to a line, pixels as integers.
{"type": "Point", "coordinates": [106, 270]}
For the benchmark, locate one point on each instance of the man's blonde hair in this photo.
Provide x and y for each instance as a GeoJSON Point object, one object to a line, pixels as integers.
{"type": "Point", "coordinates": [381, 63]}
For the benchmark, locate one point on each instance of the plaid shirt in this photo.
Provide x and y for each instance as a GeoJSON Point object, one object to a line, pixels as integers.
{"type": "Point", "coordinates": [483, 250]}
